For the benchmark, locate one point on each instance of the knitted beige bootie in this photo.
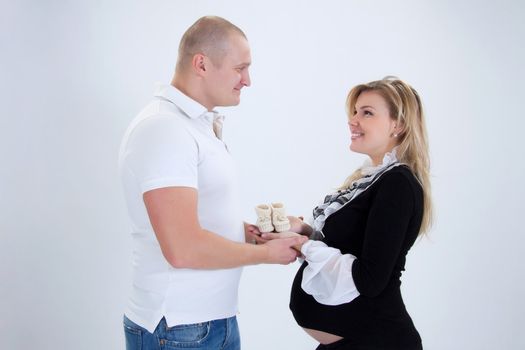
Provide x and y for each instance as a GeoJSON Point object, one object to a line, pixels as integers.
{"type": "Point", "coordinates": [279, 219]}
{"type": "Point", "coordinates": [264, 218]}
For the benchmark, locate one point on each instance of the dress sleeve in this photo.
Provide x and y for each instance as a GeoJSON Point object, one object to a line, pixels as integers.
{"type": "Point", "coordinates": [385, 234]}
{"type": "Point", "coordinates": [328, 275]}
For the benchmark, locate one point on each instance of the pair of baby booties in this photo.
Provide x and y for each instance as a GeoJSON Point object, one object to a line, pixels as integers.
{"type": "Point", "coordinates": [272, 218]}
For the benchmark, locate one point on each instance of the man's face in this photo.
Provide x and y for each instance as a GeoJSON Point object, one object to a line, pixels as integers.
{"type": "Point", "coordinates": [224, 83]}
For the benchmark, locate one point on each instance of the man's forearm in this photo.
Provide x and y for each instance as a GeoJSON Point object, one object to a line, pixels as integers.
{"type": "Point", "coordinates": [207, 250]}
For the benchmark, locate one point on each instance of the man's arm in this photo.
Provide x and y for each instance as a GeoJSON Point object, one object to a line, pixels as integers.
{"type": "Point", "coordinates": [173, 215]}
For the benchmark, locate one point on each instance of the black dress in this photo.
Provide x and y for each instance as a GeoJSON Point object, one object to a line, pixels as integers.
{"type": "Point", "coordinates": [378, 227]}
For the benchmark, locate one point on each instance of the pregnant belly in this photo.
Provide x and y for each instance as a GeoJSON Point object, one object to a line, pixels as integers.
{"type": "Point", "coordinates": [322, 337]}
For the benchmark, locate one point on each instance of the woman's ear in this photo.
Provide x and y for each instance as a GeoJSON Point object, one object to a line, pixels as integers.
{"type": "Point", "coordinates": [398, 130]}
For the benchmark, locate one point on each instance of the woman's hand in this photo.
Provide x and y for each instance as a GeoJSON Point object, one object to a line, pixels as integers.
{"type": "Point", "coordinates": [297, 225]}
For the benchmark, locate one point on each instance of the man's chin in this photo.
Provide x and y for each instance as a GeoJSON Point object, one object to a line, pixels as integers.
{"type": "Point", "coordinates": [233, 102]}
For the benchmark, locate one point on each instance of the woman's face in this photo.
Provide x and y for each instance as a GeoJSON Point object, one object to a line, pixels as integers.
{"type": "Point", "coordinates": [371, 127]}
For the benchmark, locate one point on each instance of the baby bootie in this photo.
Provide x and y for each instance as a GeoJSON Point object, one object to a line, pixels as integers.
{"type": "Point", "coordinates": [264, 218]}
{"type": "Point", "coordinates": [279, 219]}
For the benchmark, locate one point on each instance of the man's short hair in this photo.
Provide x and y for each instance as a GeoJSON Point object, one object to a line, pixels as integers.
{"type": "Point", "coordinates": [208, 36]}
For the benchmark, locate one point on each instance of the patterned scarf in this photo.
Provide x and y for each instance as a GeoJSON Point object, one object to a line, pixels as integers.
{"type": "Point", "coordinates": [335, 201]}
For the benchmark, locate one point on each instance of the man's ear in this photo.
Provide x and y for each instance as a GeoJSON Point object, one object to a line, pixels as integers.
{"type": "Point", "coordinates": [198, 63]}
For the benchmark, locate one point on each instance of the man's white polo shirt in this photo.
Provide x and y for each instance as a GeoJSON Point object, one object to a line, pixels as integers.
{"type": "Point", "coordinates": [172, 143]}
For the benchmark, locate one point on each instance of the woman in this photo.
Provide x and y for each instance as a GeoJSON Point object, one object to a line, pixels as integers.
{"type": "Point", "coordinates": [347, 292]}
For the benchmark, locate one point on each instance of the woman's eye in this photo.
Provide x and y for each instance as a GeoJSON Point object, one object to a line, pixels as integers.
{"type": "Point", "coordinates": [368, 114]}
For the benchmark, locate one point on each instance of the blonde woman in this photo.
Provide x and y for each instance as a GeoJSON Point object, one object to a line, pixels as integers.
{"type": "Point", "coordinates": [347, 292]}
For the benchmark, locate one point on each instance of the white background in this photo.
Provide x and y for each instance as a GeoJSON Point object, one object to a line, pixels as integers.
{"type": "Point", "coordinates": [73, 74]}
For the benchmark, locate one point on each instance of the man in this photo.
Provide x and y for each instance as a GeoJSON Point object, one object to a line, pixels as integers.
{"type": "Point", "coordinates": [180, 187]}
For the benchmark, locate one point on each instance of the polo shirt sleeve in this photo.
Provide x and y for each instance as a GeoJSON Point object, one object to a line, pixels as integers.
{"type": "Point", "coordinates": [163, 153]}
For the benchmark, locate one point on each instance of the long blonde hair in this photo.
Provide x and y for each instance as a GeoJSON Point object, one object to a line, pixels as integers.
{"type": "Point", "coordinates": [412, 149]}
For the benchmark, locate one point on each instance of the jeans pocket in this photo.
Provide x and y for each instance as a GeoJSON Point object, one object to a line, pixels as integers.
{"type": "Point", "coordinates": [133, 335]}
{"type": "Point", "coordinates": [187, 334]}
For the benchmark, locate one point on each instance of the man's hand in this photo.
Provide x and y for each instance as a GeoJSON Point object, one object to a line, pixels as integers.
{"type": "Point", "coordinates": [284, 250]}
{"type": "Point", "coordinates": [273, 236]}
{"type": "Point", "coordinates": [280, 251]}
{"type": "Point", "coordinates": [253, 234]}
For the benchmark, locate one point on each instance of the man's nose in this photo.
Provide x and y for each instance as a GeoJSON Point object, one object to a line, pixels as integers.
{"type": "Point", "coordinates": [246, 79]}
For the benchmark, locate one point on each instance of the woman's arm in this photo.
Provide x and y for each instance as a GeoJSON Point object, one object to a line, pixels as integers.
{"type": "Point", "coordinates": [385, 234]}
{"type": "Point", "coordinates": [333, 278]}
{"type": "Point", "coordinates": [328, 276]}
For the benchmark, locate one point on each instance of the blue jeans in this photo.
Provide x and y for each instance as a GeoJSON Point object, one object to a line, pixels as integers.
{"type": "Point", "coordinates": [212, 335]}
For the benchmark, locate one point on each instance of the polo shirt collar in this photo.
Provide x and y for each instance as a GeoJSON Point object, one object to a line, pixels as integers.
{"type": "Point", "coordinates": [186, 104]}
